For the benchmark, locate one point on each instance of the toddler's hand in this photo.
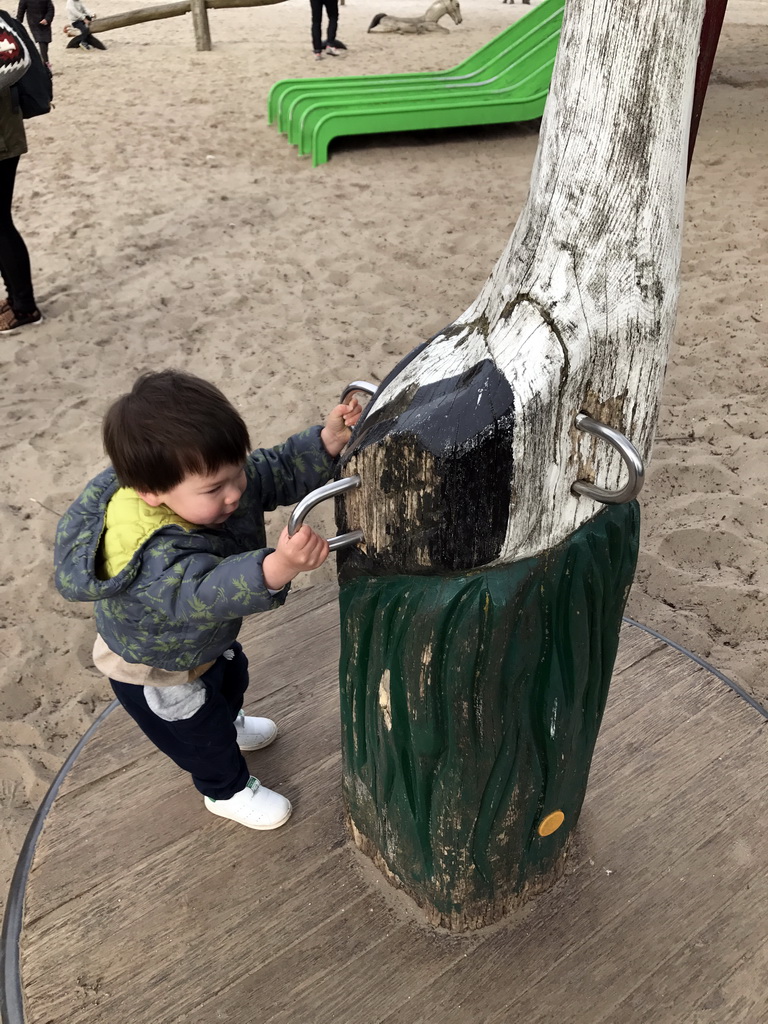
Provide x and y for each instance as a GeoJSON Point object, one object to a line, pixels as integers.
{"type": "Point", "coordinates": [338, 426]}
{"type": "Point", "coordinates": [305, 551]}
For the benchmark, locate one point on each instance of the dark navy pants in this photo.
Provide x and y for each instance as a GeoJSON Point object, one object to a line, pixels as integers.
{"type": "Point", "coordinates": [204, 745]}
{"type": "Point", "coordinates": [332, 7]}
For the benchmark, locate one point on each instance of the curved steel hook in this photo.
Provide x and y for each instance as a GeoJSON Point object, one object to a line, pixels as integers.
{"type": "Point", "coordinates": [629, 454]}
{"type": "Point", "coordinates": [349, 483]}
{"type": "Point", "coordinates": [358, 385]}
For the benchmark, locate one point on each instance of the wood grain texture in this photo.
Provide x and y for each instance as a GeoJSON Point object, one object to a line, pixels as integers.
{"type": "Point", "coordinates": [142, 907]}
{"type": "Point", "coordinates": [477, 425]}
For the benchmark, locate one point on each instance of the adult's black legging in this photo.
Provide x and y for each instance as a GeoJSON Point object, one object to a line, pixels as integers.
{"type": "Point", "coordinates": [332, 7]}
{"type": "Point", "coordinates": [14, 258]}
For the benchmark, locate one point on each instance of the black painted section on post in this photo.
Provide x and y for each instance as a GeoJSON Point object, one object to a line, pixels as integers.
{"type": "Point", "coordinates": [463, 427]}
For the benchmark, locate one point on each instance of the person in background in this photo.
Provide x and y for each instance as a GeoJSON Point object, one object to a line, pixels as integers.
{"type": "Point", "coordinates": [19, 309]}
{"type": "Point", "coordinates": [80, 18]}
{"type": "Point", "coordinates": [39, 18]}
{"type": "Point", "coordinates": [331, 46]}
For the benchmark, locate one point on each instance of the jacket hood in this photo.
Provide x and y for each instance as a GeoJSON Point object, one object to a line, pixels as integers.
{"type": "Point", "coordinates": [77, 545]}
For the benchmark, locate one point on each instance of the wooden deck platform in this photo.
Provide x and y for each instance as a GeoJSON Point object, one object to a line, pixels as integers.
{"type": "Point", "coordinates": [140, 907]}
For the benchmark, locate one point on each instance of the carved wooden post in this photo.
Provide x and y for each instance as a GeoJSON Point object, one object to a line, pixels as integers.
{"type": "Point", "coordinates": [480, 618]}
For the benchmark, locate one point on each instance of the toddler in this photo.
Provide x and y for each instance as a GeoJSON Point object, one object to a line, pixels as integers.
{"type": "Point", "coordinates": [169, 543]}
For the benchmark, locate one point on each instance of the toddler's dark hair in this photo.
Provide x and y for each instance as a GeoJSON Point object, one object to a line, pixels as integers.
{"type": "Point", "coordinates": [169, 425]}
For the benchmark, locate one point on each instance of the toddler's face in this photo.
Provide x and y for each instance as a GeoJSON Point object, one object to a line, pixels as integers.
{"type": "Point", "coordinates": [204, 500]}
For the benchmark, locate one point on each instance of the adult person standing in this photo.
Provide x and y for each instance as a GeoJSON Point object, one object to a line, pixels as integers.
{"type": "Point", "coordinates": [20, 308]}
{"type": "Point", "coordinates": [39, 18]}
{"type": "Point", "coordinates": [331, 46]}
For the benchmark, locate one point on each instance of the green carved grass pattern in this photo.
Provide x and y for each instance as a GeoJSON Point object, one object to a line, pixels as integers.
{"type": "Point", "coordinates": [470, 708]}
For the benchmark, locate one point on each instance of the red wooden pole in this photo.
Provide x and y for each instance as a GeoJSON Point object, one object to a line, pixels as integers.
{"type": "Point", "coordinates": [710, 36]}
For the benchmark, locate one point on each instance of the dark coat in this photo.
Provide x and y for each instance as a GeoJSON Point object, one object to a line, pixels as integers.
{"type": "Point", "coordinates": [13, 141]}
{"type": "Point", "coordinates": [36, 11]}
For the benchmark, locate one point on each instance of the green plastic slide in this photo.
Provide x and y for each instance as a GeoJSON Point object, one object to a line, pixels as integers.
{"type": "Point", "coordinates": [514, 94]}
{"type": "Point", "coordinates": [506, 80]}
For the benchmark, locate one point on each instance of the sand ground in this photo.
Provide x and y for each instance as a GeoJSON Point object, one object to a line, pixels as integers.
{"type": "Point", "coordinates": [170, 225]}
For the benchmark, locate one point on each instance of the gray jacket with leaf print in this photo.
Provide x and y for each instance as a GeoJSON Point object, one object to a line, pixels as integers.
{"type": "Point", "coordinates": [180, 600]}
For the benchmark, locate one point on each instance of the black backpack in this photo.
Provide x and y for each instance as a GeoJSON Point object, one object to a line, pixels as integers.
{"type": "Point", "coordinates": [34, 90]}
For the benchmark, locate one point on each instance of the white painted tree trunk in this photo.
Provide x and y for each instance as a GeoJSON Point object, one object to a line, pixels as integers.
{"type": "Point", "coordinates": [579, 311]}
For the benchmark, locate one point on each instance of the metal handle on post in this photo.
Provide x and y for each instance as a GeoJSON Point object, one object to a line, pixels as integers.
{"type": "Point", "coordinates": [349, 483]}
{"type": "Point", "coordinates": [629, 454]}
{"type": "Point", "coordinates": [358, 385]}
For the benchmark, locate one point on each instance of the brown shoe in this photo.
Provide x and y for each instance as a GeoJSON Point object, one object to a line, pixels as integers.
{"type": "Point", "coordinates": [10, 321]}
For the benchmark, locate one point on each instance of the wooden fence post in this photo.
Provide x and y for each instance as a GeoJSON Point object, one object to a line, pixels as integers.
{"type": "Point", "coordinates": [480, 617]}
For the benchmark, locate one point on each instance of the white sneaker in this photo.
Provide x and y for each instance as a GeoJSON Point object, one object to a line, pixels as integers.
{"type": "Point", "coordinates": [255, 807]}
{"type": "Point", "coordinates": [254, 733]}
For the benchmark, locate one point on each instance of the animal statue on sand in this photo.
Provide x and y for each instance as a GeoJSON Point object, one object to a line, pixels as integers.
{"type": "Point", "coordinates": [428, 22]}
